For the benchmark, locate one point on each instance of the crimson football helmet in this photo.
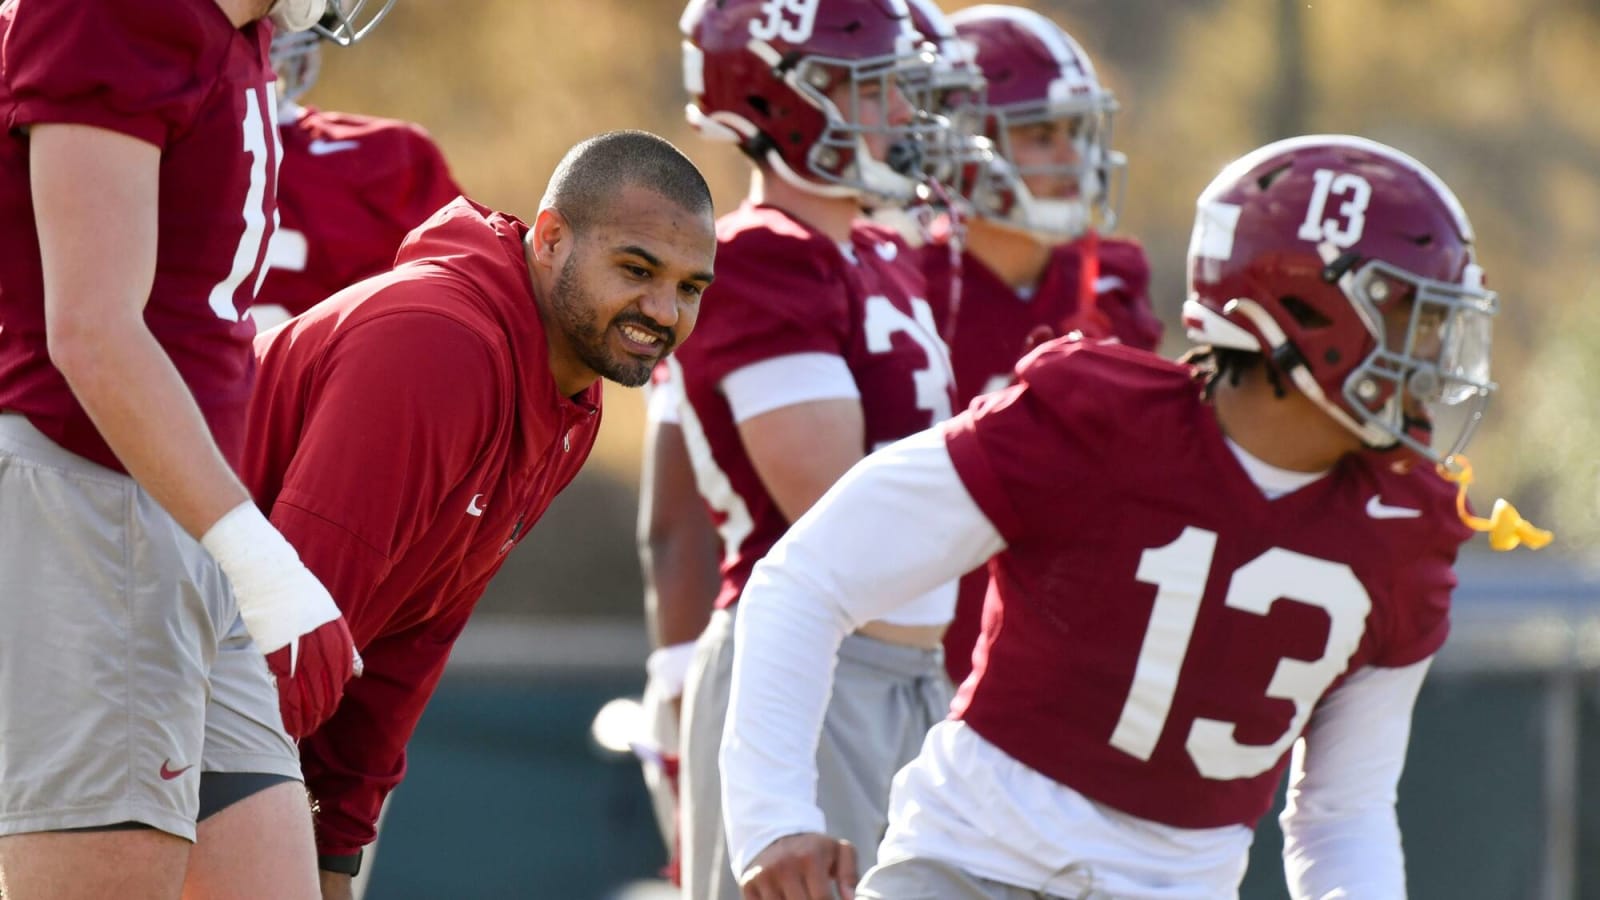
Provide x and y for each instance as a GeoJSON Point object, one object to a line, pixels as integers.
{"type": "Point", "coordinates": [951, 89]}
{"type": "Point", "coordinates": [759, 74]}
{"type": "Point", "coordinates": [1349, 266]}
{"type": "Point", "coordinates": [342, 21]}
{"type": "Point", "coordinates": [1035, 72]}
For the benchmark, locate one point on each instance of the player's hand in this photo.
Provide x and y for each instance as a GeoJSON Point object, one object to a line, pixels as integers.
{"type": "Point", "coordinates": [311, 671]}
{"type": "Point", "coordinates": [289, 614]}
{"type": "Point", "coordinates": [801, 867]}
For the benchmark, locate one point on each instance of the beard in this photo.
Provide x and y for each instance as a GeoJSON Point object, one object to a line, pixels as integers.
{"type": "Point", "coordinates": [576, 314]}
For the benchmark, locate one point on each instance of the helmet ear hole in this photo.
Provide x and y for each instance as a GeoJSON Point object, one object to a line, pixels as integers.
{"type": "Point", "coordinates": [1264, 182]}
{"type": "Point", "coordinates": [1305, 315]}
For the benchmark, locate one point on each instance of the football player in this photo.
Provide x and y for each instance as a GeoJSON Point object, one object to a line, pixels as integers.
{"type": "Point", "coordinates": [817, 344]}
{"type": "Point", "coordinates": [679, 553]}
{"type": "Point", "coordinates": [349, 188]}
{"type": "Point", "coordinates": [1198, 567]}
{"type": "Point", "coordinates": [1035, 264]}
{"type": "Point", "coordinates": [409, 431]}
{"type": "Point", "coordinates": [144, 751]}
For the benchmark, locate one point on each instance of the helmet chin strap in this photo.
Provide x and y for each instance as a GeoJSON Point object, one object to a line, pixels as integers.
{"type": "Point", "coordinates": [297, 15]}
{"type": "Point", "coordinates": [1506, 527]}
{"type": "Point", "coordinates": [1370, 435]}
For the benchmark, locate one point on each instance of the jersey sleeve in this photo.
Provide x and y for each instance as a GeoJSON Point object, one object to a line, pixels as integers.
{"type": "Point", "coordinates": [1421, 622]}
{"type": "Point", "coordinates": [1025, 453]}
{"type": "Point", "coordinates": [400, 410]}
{"type": "Point", "coordinates": [1414, 622]}
{"type": "Point", "coordinates": [1123, 294]}
{"type": "Point", "coordinates": [123, 65]}
{"type": "Point", "coordinates": [427, 183]}
{"type": "Point", "coordinates": [775, 295]}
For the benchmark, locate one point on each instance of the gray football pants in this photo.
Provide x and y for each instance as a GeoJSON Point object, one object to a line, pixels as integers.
{"type": "Point", "coordinates": [885, 698]}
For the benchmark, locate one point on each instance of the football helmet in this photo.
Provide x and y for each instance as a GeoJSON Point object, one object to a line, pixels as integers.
{"type": "Point", "coordinates": [1350, 267]}
{"type": "Point", "coordinates": [342, 21]}
{"type": "Point", "coordinates": [1036, 73]}
{"type": "Point", "coordinates": [951, 89]}
{"type": "Point", "coordinates": [759, 74]}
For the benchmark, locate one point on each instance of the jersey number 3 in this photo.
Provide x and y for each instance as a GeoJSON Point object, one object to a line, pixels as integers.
{"type": "Point", "coordinates": [1179, 571]}
{"type": "Point", "coordinates": [931, 382]}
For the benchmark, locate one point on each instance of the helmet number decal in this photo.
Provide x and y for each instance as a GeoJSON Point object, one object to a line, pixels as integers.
{"type": "Point", "coordinates": [787, 20]}
{"type": "Point", "coordinates": [1343, 229]}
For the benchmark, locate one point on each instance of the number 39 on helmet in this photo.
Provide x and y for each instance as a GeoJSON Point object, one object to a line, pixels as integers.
{"type": "Point", "coordinates": [767, 74]}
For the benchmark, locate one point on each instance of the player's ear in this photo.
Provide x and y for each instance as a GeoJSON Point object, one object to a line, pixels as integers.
{"type": "Point", "coordinates": [551, 239]}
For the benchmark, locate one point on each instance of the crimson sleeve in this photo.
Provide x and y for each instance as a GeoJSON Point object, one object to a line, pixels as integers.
{"type": "Point", "coordinates": [1030, 452]}
{"type": "Point", "coordinates": [1420, 620]}
{"type": "Point", "coordinates": [775, 295]}
{"type": "Point", "coordinates": [358, 756]}
{"type": "Point", "coordinates": [1127, 303]}
{"type": "Point", "coordinates": [430, 183]}
{"type": "Point", "coordinates": [123, 65]}
{"type": "Point", "coordinates": [401, 407]}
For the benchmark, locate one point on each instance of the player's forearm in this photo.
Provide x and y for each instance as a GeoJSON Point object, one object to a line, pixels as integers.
{"type": "Point", "coordinates": [1355, 855]}
{"type": "Point", "coordinates": [1339, 825]}
{"type": "Point", "coordinates": [888, 540]}
{"type": "Point", "coordinates": [140, 405]}
{"type": "Point", "coordinates": [679, 549]}
{"type": "Point", "coordinates": [683, 581]}
{"type": "Point", "coordinates": [784, 658]}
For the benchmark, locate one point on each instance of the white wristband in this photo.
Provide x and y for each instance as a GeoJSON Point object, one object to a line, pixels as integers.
{"type": "Point", "coordinates": [278, 596]}
{"type": "Point", "coordinates": [668, 667]}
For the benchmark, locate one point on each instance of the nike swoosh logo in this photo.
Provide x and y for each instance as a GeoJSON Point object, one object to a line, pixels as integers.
{"type": "Point", "coordinates": [168, 773]}
{"type": "Point", "coordinates": [320, 147]}
{"type": "Point", "coordinates": [473, 509]}
{"type": "Point", "coordinates": [1377, 510]}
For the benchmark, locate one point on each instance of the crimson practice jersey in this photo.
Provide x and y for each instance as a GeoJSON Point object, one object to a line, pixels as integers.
{"type": "Point", "coordinates": [178, 75]}
{"type": "Point", "coordinates": [351, 187]}
{"type": "Point", "coordinates": [1158, 631]}
{"type": "Point", "coordinates": [994, 323]}
{"type": "Point", "coordinates": [783, 289]}
{"type": "Point", "coordinates": [993, 327]}
{"type": "Point", "coordinates": [407, 434]}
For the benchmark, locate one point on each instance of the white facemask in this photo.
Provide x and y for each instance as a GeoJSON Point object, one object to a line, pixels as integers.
{"type": "Point", "coordinates": [297, 15]}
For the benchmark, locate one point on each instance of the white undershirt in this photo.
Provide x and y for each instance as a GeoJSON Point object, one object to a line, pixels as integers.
{"type": "Point", "coordinates": [661, 403]}
{"type": "Point", "coordinates": [787, 381]}
{"type": "Point", "coordinates": [899, 524]}
{"type": "Point", "coordinates": [1273, 481]}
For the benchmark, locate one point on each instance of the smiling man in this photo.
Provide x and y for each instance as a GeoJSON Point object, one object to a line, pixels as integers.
{"type": "Point", "coordinates": [410, 430]}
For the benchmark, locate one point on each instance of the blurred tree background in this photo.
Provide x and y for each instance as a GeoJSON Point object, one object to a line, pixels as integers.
{"type": "Point", "coordinates": [1498, 98]}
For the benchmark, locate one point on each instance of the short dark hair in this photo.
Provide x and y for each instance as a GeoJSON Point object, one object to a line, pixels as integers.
{"type": "Point", "coordinates": [1213, 364]}
{"type": "Point", "coordinates": [588, 178]}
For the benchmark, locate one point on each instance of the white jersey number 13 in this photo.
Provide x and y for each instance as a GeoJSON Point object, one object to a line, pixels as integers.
{"type": "Point", "coordinates": [1179, 571]}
